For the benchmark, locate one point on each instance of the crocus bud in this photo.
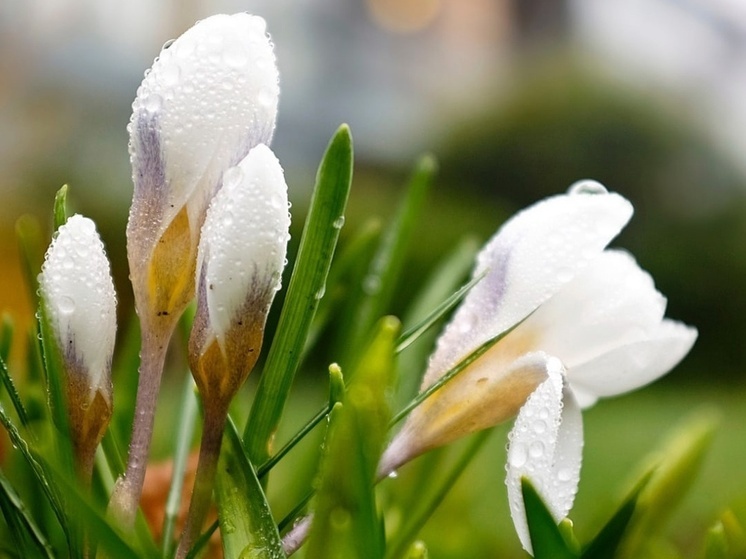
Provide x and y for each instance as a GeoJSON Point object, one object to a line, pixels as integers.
{"type": "Point", "coordinates": [79, 303]}
{"type": "Point", "coordinates": [241, 257]}
{"type": "Point", "coordinates": [210, 96]}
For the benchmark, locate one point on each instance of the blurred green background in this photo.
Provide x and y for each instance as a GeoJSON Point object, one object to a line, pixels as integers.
{"type": "Point", "coordinates": [517, 100]}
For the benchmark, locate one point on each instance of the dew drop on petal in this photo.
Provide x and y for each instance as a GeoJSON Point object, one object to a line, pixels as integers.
{"type": "Point", "coordinates": [153, 102]}
{"type": "Point", "coordinates": [587, 186]}
{"type": "Point", "coordinates": [67, 305]}
{"type": "Point", "coordinates": [518, 455]}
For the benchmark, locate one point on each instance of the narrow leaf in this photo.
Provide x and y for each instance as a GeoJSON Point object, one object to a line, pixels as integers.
{"type": "Point", "coordinates": [424, 508]}
{"type": "Point", "coordinates": [307, 285]}
{"type": "Point", "coordinates": [15, 398]}
{"type": "Point", "coordinates": [60, 207]}
{"type": "Point", "coordinates": [13, 507]}
{"type": "Point", "coordinates": [546, 537]}
{"type": "Point", "coordinates": [609, 538]}
{"type": "Point", "coordinates": [381, 279]}
{"type": "Point", "coordinates": [346, 522]}
{"type": "Point", "coordinates": [246, 524]}
{"type": "Point", "coordinates": [31, 246]}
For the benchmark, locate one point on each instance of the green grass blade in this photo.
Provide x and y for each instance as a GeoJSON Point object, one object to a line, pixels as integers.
{"type": "Point", "coordinates": [346, 522]}
{"type": "Point", "coordinates": [607, 541]}
{"type": "Point", "coordinates": [6, 337]}
{"type": "Point", "coordinates": [60, 207]}
{"type": "Point", "coordinates": [382, 276]}
{"type": "Point", "coordinates": [306, 286]}
{"type": "Point", "coordinates": [87, 516]}
{"type": "Point", "coordinates": [14, 508]}
{"type": "Point", "coordinates": [344, 275]}
{"type": "Point", "coordinates": [15, 398]}
{"type": "Point", "coordinates": [188, 412]}
{"type": "Point", "coordinates": [37, 470]}
{"type": "Point", "coordinates": [546, 537]}
{"type": "Point", "coordinates": [246, 524]}
{"type": "Point", "coordinates": [31, 246]}
{"type": "Point", "coordinates": [423, 509]}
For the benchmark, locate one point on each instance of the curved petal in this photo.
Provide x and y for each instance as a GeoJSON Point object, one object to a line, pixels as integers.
{"type": "Point", "coordinates": [546, 447]}
{"type": "Point", "coordinates": [487, 393]}
{"type": "Point", "coordinates": [530, 258]}
{"type": "Point", "coordinates": [635, 364]}
{"type": "Point", "coordinates": [613, 302]}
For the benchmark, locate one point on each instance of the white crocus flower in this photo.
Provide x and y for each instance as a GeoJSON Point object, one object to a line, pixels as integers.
{"type": "Point", "coordinates": [241, 258]}
{"type": "Point", "coordinates": [586, 323]}
{"type": "Point", "coordinates": [210, 96]}
{"type": "Point", "coordinates": [79, 303]}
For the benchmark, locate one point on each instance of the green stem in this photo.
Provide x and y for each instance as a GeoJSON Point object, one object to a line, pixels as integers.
{"type": "Point", "coordinates": [209, 452]}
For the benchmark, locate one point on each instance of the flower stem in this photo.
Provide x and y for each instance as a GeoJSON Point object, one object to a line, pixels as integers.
{"type": "Point", "coordinates": [209, 451]}
{"type": "Point", "coordinates": [125, 498]}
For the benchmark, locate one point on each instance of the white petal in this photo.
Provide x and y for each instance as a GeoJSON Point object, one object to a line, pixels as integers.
{"type": "Point", "coordinates": [210, 97]}
{"type": "Point", "coordinates": [530, 258]}
{"type": "Point", "coordinates": [244, 238]}
{"type": "Point", "coordinates": [546, 447]}
{"type": "Point", "coordinates": [635, 364]}
{"type": "Point", "coordinates": [613, 302]}
{"type": "Point", "coordinates": [78, 295]}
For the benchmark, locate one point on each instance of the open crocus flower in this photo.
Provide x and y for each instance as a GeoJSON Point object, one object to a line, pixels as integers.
{"type": "Point", "coordinates": [579, 323]}
{"type": "Point", "coordinates": [239, 268]}
{"type": "Point", "coordinates": [79, 303]}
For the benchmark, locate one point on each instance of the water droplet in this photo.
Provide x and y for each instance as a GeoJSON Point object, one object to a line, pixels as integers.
{"type": "Point", "coordinates": [518, 455]}
{"type": "Point", "coordinates": [228, 527]}
{"type": "Point", "coordinates": [67, 305]}
{"type": "Point", "coordinates": [564, 475]}
{"type": "Point", "coordinates": [371, 284]}
{"type": "Point", "coordinates": [587, 186]}
{"type": "Point", "coordinates": [339, 222]}
{"type": "Point", "coordinates": [167, 44]}
{"type": "Point", "coordinates": [266, 97]}
{"type": "Point", "coordinates": [539, 426]}
{"type": "Point", "coordinates": [393, 474]}
{"type": "Point", "coordinates": [153, 102]}
{"type": "Point", "coordinates": [536, 450]}
{"type": "Point", "coordinates": [320, 293]}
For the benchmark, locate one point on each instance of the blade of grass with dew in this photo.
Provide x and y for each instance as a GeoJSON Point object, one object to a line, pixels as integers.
{"type": "Point", "coordinates": [25, 529]}
{"type": "Point", "coordinates": [15, 398]}
{"type": "Point", "coordinates": [246, 524]}
{"type": "Point", "coordinates": [346, 522]}
{"type": "Point", "coordinates": [353, 257]}
{"type": "Point", "coordinates": [306, 287]}
{"type": "Point", "coordinates": [546, 537]}
{"type": "Point", "coordinates": [187, 422]}
{"type": "Point", "coordinates": [56, 400]}
{"type": "Point", "coordinates": [609, 538]}
{"type": "Point", "coordinates": [423, 508]}
{"type": "Point", "coordinates": [60, 207]}
{"type": "Point", "coordinates": [37, 470]}
{"type": "Point", "coordinates": [381, 278]}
